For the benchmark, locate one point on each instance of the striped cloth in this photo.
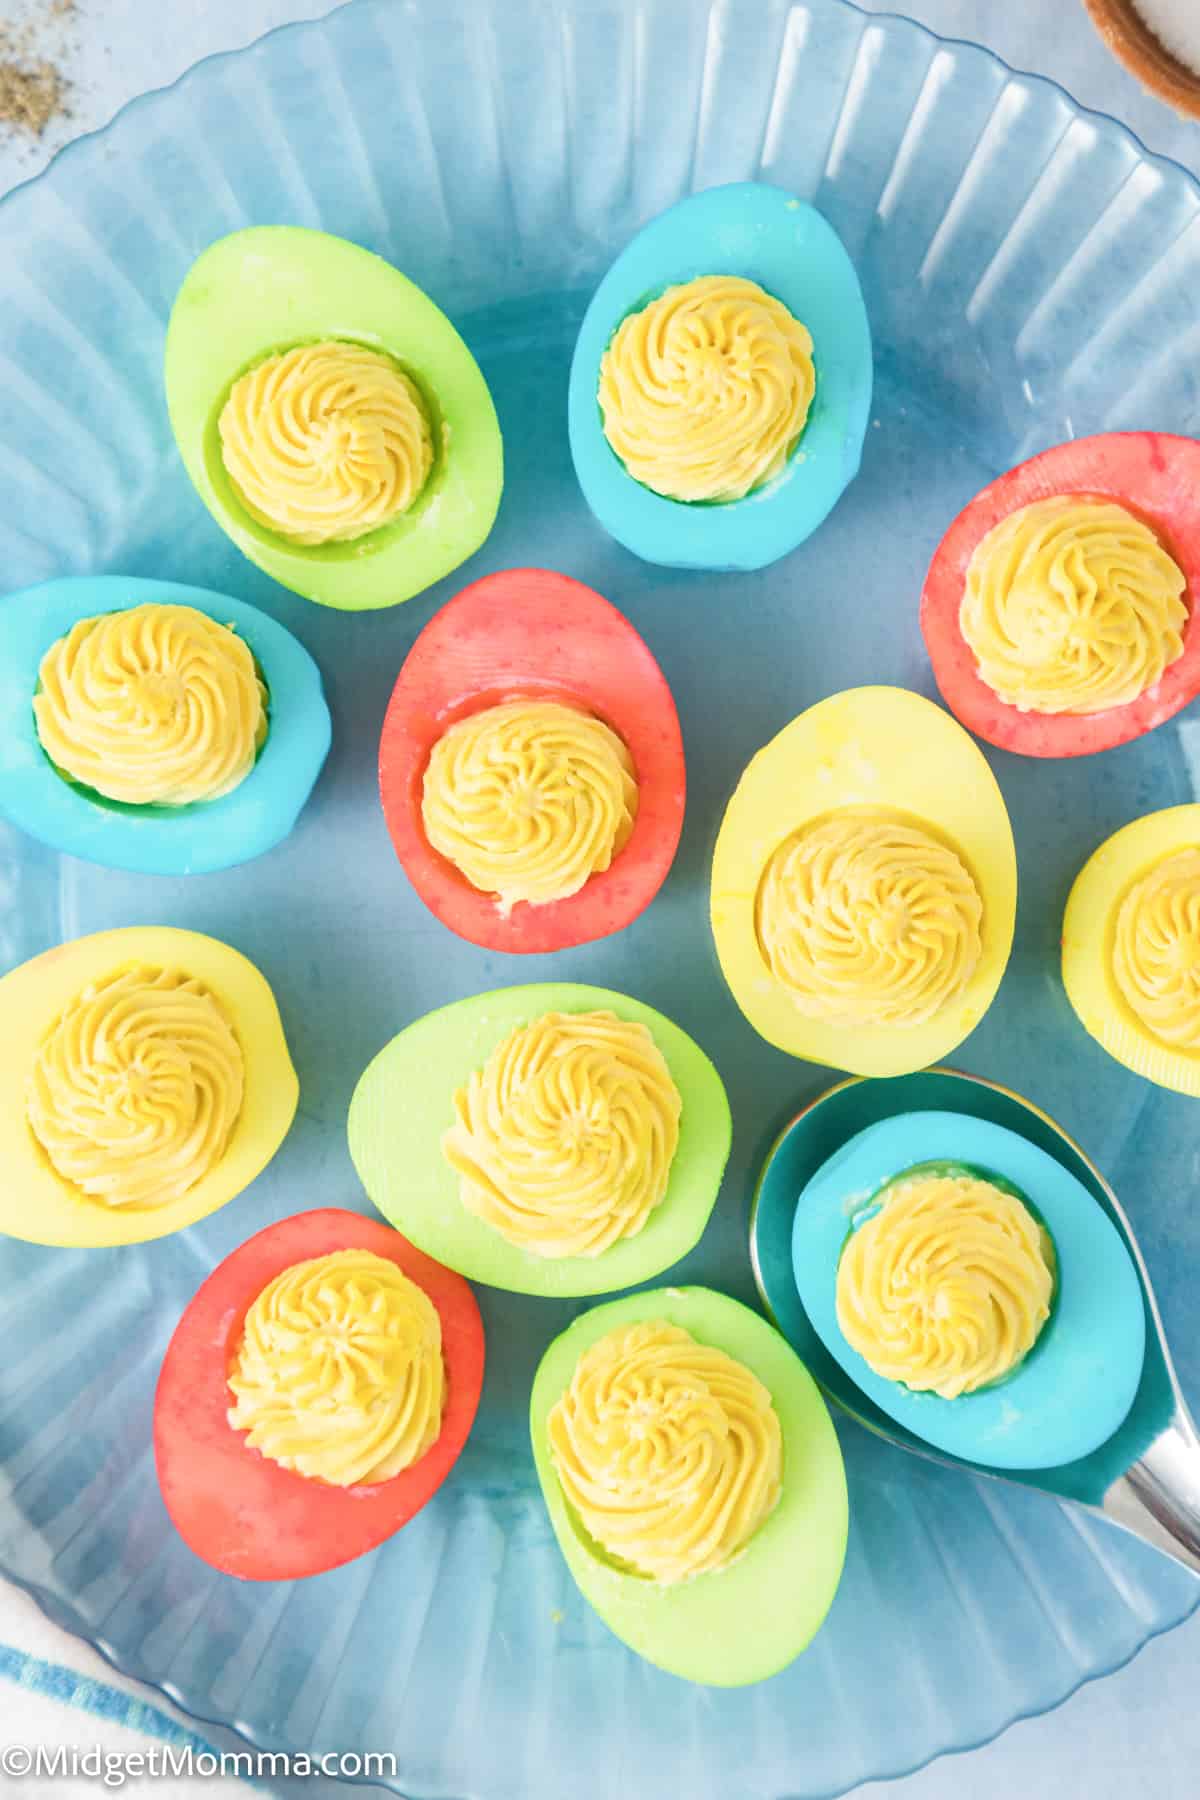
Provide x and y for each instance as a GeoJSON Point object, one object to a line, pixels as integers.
{"type": "Point", "coordinates": [57, 1693]}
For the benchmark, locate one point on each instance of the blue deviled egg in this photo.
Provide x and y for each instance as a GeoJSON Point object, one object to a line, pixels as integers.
{"type": "Point", "coordinates": [971, 1287]}
{"type": "Point", "coordinates": [721, 382]}
{"type": "Point", "coordinates": [150, 726]}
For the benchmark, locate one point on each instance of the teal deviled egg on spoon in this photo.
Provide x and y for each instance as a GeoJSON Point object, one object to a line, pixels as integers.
{"type": "Point", "coordinates": [972, 1288]}
{"type": "Point", "coordinates": [1126, 1445]}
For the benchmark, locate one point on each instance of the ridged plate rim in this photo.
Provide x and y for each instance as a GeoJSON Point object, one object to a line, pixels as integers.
{"type": "Point", "coordinates": [65, 1616]}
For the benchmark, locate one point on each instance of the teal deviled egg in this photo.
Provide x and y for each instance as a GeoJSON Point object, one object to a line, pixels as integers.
{"type": "Point", "coordinates": [721, 382]}
{"type": "Point", "coordinates": [971, 1287]}
{"type": "Point", "coordinates": [154, 727]}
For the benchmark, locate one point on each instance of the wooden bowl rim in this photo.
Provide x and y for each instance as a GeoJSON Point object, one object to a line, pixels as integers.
{"type": "Point", "coordinates": [1133, 43]}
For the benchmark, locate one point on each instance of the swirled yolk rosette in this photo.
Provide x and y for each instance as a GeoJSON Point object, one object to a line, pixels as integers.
{"type": "Point", "coordinates": [866, 920]}
{"type": "Point", "coordinates": [669, 1451]}
{"type": "Point", "coordinates": [1156, 950]}
{"type": "Point", "coordinates": [137, 1088]}
{"type": "Point", "coordinates": [326, 442]}
{"type": "Point", "coordinates": [1072, 605]}
{"type": "Point", "coordinates": [158, 705]}
{"type": "Point", "coordinates": [947, 1287]}
{"type": "Point", "coordinates": [528, 799]}
{"type": "Point", "coordinates": [705, 392]}
{"type": "Point", "coordinates": [563, 1141]}
{"type": "Point", "coordinates": [339, 1375]}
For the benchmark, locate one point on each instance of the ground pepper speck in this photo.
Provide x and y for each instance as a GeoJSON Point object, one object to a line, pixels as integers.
{"type": "Point", "coordinates": [34, 91]}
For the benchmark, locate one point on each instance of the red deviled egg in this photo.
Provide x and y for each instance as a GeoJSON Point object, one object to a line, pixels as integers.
{"type": "Point", "coordinates": [531, 765]}
{"type": "Point", "coordinates": [1059, 611]}
{"type": "Point", "coordinates": [317, 1391]}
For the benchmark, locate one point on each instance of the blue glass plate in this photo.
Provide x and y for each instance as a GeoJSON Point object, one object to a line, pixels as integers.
{"type": "Point", "coordinates": [1028, 270]}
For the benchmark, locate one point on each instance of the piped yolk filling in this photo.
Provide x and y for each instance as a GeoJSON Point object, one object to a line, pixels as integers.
{"type": "Point", "coordinates": [339, 1375]}
{"type": "Point", "coordinates": [867, 920]}
{"type": "Point", "coordinates": [528, 799]}
{"type": "Point", "coordinates": [563, 1142]}
{"type": "Point", "coordinates": [668, 1451]}
{"type": "Point", "coordinates": [705, 392]}
{"type": "Point", "coordinates": [137, 1088]}
{"type": "Point", "coordinates": [326, 442]}
{"type": "Point", "coordinates": [158, 705]}
{"type": "Point", "coordinates": [1072, 605]}
{"type": "Point", "coordinates": [947, 1287]}
{"type": "Point", "coordinates": [1156, 950]}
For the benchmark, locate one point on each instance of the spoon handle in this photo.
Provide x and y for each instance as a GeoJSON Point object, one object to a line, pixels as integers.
{"type": "Point", "coordinates": [1158, 1498]}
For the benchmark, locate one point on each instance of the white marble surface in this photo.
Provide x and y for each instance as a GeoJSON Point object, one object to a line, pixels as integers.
{"type": "Point", "coordinates": [1135, 1736]}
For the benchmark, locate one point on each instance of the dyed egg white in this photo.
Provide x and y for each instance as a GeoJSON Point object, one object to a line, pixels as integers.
{"type": "Point", "coordinates": [156, 840]}
{"type": "Point", "coordinates": [272, 287]}
{"type": "Point", "coordinates": [404, 1104]}
{"type": "Point", "coordinates": [39, 1205]}
{"type": "Point", "coordinates": [745, 1622]}
{"type": "Point", "coordinates": [880, 747]}
{"type": "Point", "coordinates": [766, 235]}
{"type": "Point", "coordinates": [1074, 1389]}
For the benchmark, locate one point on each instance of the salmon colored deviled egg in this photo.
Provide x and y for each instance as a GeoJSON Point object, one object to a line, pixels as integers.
{"type": "Point", "coordinates": [531, 765]}
{"type": "Point", "coordinates": [1059, 611]}
{"type": "Point", "coordinates": [317, 1392]}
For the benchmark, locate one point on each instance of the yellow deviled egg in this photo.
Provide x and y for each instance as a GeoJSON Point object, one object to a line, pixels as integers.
{"type": "Point", "coordinates": [864, 884]}
{"type": "Point", "coordinates": [1131, 947]}
{"type": "Point", "coordinates": [144, 1082]}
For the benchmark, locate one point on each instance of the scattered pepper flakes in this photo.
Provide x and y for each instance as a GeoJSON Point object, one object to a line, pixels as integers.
{"type": "Point", "coordinates": [31, 95]}
{"type": "Point", "coordinates": [33, 88]}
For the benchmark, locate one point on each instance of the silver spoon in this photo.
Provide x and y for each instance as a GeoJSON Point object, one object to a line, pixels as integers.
{"type": "Point", "coordinates": [1146, 1478]}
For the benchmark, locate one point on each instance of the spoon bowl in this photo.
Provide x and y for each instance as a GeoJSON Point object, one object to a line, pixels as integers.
{"type": "Point", "coordinates": [1146, 1476]}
